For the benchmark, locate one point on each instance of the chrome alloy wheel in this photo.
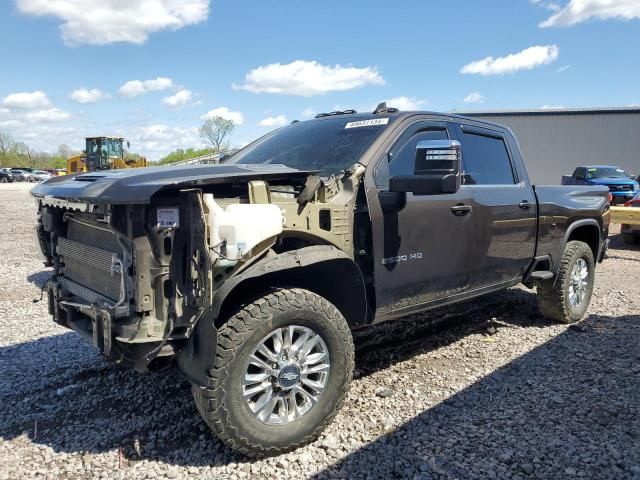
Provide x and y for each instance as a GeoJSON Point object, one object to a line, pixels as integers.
{"type": "Point", "coordinates": [285, 375]}
{"type": "Point", "coordinates": [579, 282]}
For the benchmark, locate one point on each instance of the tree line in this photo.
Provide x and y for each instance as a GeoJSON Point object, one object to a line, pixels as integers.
{"type": "Point", "coordinates": [20, 154]}
{"type": "Point", "coordinates": [215, 131]}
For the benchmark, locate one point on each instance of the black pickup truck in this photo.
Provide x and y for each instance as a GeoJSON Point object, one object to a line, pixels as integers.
{"type": "Point", "coordinates": [251, 275]}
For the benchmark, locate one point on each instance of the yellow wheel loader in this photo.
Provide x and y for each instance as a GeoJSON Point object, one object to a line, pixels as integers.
{"type": "Point", "coordinates": [103, 153]}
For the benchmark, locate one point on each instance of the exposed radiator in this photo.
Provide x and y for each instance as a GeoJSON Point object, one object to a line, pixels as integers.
{"type": "Point", "coordinates": [89, 255]}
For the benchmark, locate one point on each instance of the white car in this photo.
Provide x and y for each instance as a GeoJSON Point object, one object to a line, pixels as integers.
{"type": "Point", "coordinates": [39, 176]}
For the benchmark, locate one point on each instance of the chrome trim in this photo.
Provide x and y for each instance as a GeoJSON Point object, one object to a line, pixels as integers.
{"type": "Point", "coordinates": [285, 375]}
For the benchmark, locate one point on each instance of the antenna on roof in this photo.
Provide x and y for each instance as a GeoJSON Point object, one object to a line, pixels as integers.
{"type": "Point", "coordinates": [382, 108]}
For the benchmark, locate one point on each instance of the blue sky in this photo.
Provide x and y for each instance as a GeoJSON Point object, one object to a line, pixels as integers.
{"type": "Point", "coordinates": [149, 70]}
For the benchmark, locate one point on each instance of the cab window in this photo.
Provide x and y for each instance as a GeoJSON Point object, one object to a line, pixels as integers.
{"type": "Point", "coordinates": [485, 160]}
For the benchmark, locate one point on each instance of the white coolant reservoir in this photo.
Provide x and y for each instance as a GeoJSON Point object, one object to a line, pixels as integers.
{"type": "Point", "coordinates": [237, 229]}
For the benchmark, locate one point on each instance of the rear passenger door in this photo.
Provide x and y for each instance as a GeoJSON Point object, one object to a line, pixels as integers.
{"type": "Point", "coordinates": [504, 206]}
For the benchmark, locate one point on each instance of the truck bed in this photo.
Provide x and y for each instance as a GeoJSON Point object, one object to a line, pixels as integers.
{"type": "Point", "coordinates": [560, 207]}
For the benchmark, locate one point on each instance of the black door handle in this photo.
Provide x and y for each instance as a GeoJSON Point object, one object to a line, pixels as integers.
{"type": "Point", "coordinates": [460, 210]}
{"type": "Point", "coordinates": [524, 205]}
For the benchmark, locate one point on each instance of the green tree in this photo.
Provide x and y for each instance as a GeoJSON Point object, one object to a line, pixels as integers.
{"type": "Point", "coordinates": [182, 154]}
{"type": "Point", "coordinates": [216, 130]}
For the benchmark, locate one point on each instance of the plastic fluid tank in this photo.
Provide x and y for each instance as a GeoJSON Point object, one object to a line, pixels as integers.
{"type": "Point", "coordinates": [240, 227]}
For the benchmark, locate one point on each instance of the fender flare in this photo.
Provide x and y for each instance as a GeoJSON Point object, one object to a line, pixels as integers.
{"type": "Point", "coordinates": [307, 266]}
{"type": "Point", "coordinates": [581, 223]}
{"type": "Point", "coordinates": [302, 260]}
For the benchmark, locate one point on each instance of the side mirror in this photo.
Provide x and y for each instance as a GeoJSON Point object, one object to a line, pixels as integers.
{"type": "Point", "coordinates": [437, 169]}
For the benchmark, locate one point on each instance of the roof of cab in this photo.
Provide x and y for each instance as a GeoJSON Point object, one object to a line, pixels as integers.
{"type": "Point", "coordinates": [400, 115]}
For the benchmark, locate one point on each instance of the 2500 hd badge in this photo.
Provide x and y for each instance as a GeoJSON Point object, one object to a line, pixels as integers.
{"type": "Point", "coordinates": [402, 258]}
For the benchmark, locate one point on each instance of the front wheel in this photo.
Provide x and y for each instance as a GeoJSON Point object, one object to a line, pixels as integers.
{"type": "Point", "coordinates": [566, 297]}
{"type": "Point", "coordinates": [282, 370]}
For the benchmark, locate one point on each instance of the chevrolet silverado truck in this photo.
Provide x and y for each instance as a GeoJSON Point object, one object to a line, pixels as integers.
{"type": "Point", "coordinates": [251, 275]}
{"type": "Point", "coordinates": [622, 186]}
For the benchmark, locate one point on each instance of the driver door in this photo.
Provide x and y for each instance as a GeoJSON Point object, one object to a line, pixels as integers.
{"type": "Point", "coordinates": [422, 251]}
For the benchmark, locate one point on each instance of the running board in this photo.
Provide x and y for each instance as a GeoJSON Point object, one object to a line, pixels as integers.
{"type": "Point", "coordinates": [541, 275]}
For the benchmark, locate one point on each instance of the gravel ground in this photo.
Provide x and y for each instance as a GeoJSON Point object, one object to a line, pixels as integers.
{"type": "Point", "coordinates": [487, 389]}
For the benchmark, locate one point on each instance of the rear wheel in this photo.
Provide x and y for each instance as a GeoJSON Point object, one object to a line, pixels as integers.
{"type": "Point", "coordinates": [566, 297]}
{"type": "Point", "coordinates": [282, 369]}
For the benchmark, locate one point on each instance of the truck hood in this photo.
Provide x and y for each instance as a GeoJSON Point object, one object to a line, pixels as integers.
{"type": "Point", "coordinates": [611, 181]}
{"type": "Point", "coordinates": [138, 185]}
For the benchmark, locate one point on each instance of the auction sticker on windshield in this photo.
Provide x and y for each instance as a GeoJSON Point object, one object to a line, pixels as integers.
{"type": "Point", "coordinates": [367, 123]}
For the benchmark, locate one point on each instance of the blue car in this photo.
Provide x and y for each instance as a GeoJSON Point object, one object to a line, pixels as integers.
{"type": "Point", "coordinates": [623, 187]}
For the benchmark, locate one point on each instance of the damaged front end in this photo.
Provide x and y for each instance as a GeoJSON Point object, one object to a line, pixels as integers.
{"type": "Point", "coordinates": [139, 279]}
{"type": "Point", "coordinates": [126, 282]}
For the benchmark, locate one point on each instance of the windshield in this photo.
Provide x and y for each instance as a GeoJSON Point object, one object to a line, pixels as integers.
{"type": "Point", "coordinates": [113, 147]}
{"type": "Point", "coordinates": [607, 172]}
{"type": "Point", "coordinates": [328, 145]}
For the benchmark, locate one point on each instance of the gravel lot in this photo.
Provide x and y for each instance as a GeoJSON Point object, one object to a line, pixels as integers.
{"type": "Point", "coordinates": [487, 389]}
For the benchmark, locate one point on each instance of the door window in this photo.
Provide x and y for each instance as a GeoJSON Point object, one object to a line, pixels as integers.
{"type": "Point", "coordinates": [485, 160]}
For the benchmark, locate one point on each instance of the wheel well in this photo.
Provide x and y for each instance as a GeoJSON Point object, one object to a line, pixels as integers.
{"type": "Point", "coordinates": [339, 281]}
{"type": "Point", "coordinates": [588, 234]}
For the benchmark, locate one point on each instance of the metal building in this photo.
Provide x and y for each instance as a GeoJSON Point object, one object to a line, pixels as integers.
{"type": "Point", "coordinates": [555, 142]}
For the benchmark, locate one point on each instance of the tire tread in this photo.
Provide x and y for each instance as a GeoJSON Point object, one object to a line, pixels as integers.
{"type": "Point", "coordinates": [551, 295]}
{"type": "Point", "coordinates": [231, 335]}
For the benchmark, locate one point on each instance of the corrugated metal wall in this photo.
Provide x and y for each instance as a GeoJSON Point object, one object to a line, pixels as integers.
{"type": "Point", "coordinates": [555, 143]}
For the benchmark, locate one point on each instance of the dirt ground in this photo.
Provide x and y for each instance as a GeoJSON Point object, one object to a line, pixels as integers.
{"type": "Point", "coordinates": [485, 389]}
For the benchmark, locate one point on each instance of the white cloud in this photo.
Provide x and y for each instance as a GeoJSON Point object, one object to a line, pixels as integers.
{"type": "Point", "coordinates": [552, 107]}
{"type": "Point", "coordinates": [577, 11]}
{"type": "Point", "coordinates": [278, 121]}
{"type": "Point", "coordinates": [309, 112]}
{"type": "Point", "coordinates": [84, 95]}
{"type": "Point", "coordinates": [180, 99]}
{"type": "Point", "coordinates": [158, 140]}
{"type": "Point", "coordinates": [27, 100]}
{"type": "Point", "coordinates": [307, 78]}
{"type": "Point", "coordinates": [406, 103]}
{"type": "Point", "coordinates": [474, 97]}
{"type": "Point", "coordinates": [224, 112]}
{"type": "Point", "coordinates": [525, 60]}
{"type": "Point", "coordinates": [100, 22]}
{"type": "Point", "coordinates": [48, 115]}
{"type": "Point", "coordinates": [554, 7]}
{"type": "Point", "coordinates": [133, 88]}
{"type": "Point", "coordinates": [11, 124]}
{"type": "Point", "coordinates": [562, 69]}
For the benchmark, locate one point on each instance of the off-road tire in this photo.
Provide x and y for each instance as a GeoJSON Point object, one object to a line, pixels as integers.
{"type": "Point", "coordinates": [553, 294]}
{"type": "Point", "coordinates": [220, 403]}
{"type": "Point", "coordinates": [631, 238]}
